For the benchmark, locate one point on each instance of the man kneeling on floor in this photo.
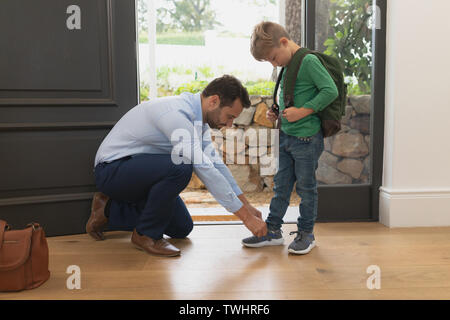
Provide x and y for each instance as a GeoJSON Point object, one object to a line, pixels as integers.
{"type": "Point", "coordinates": [140, 176]}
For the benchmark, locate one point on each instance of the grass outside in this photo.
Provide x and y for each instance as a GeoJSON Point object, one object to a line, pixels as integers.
{"type": "Point", "coordinates": [176, 38]}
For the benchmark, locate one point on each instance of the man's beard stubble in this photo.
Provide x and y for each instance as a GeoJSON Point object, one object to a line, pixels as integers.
{"type": "Point", "coordinates": [213, 118]}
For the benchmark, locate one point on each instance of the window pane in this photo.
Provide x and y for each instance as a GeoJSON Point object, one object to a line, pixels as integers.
{"type": "Point", "coordinates": [198, 41]}
{"type": "Point", "coordinates": [343, 30]}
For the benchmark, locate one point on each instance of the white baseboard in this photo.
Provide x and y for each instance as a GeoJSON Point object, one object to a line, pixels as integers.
{"type": "Point", "coordinates": [414, 207]}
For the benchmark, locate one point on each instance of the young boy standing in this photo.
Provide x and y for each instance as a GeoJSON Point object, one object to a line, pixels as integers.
{"type": "Point", "coordinates": [301, 139]}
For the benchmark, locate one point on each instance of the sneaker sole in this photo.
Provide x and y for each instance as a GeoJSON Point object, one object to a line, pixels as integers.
{"type": "Point", "coordinates": [307, 250]}
{"type": "Point", "coordinates": [273, 242]}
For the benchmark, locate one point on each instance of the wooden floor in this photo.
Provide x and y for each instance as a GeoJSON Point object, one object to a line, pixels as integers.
{"type": "Point", "coordinates": [414, 263]}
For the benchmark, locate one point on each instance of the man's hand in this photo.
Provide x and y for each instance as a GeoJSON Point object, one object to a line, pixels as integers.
{"type": "Point", "coordinates": [254, 211]}
{"type": "Point", "coordinates": [293, 114]}
{"type": "Point", "coordinates": [256, 225]}
{"type": "Point", "coordinates": [250, 208]}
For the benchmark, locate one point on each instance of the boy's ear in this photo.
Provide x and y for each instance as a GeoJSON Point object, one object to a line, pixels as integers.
{"type": "Point", "coordinates": [284, 41]}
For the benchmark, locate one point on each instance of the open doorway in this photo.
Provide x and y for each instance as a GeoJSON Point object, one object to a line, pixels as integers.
{"type": "Point", "coordinates": [184, 44]}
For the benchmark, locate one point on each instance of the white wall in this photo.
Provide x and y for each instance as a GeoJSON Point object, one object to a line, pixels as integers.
{"type": "Point", "coordinates": [416, 177]}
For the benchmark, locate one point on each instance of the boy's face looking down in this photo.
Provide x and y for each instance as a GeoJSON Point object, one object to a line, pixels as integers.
{"type": "Point", "coordinates": [281, 56]}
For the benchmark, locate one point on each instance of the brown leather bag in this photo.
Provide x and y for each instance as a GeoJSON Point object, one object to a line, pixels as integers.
{"type": "Point", "coordinates": [23, 257]}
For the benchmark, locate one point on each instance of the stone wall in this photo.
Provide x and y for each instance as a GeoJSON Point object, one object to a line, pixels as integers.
{"type": "Point", "coordinates": [345, 159]}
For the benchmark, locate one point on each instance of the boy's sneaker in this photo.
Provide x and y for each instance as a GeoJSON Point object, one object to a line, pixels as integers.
{"type": "Point", "coordinates": [303, 242]}
{"type": "Point", "coordinates": [272, 238]}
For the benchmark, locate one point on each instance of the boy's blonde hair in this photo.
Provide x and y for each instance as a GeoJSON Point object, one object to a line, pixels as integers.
{"type": "Point", "coordinates": [266, 36]}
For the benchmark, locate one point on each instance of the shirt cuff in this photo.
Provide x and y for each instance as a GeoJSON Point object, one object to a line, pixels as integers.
{"type": "Point", "coordinates": [232, 205]}
{"type": "Point", "coordinates": [236, 189]}
{"type": "Point", "coordinates": [309, 105]}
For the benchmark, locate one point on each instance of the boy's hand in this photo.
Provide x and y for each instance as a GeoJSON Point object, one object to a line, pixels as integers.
{"type": "Point", "coordinates": [271, 116]}
{"type": "Point", "coordinates": [293, 114]}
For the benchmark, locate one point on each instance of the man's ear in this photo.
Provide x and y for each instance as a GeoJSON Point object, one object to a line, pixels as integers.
{"type": "Point", "coordinates": [214, 102]}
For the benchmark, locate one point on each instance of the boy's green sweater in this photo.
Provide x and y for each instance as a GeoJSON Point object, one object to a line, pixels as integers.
{"type": "Point", "coordinates": [314, 89]}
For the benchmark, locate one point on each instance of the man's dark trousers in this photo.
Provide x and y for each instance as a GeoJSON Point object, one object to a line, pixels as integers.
{"type": "Point", "coordinates": [144, 194]}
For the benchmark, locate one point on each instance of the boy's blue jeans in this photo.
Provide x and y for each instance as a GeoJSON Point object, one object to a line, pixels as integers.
{"type": "Point", "coordinates": [298, 161]}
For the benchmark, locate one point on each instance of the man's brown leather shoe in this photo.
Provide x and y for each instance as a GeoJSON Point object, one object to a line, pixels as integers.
{"type": "Point", "coordinates": [97, 221]}
{"type": "Point", "coordinates": [159, 247]}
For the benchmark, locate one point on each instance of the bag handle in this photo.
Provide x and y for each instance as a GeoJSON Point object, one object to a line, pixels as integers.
{"type": "Point", "coordinates": [34, 225]}
{"type": "Point", "coordinates": [3, 226]}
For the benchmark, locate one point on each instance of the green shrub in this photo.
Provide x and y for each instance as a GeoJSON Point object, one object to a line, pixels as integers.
{"type": "Point", "coordinates": [206, 71]}
{"type": "Point", "coordinates": [351, 40]}
{"type": "Point", "coordinates": [192, 87]}
{"type": "Point", "coordinates": [144, 92]}
{"type": "Point", "coordinates": [355, 90]}
{"type": "Point", "coordinates": [264, 88]}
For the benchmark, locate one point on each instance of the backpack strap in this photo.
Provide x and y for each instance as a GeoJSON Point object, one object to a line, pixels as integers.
{"type": "Point", "coordinates": [275, 107]}
{"type": "Point", "coordinates": [289, 82]}
{"type": "Point", "coordinates": [291, 75]}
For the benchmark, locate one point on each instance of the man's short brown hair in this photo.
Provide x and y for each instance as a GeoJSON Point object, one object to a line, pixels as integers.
{"type": "Point", "coordinates": [228, 88]}
{"type": "Point", "coordinates": [266, 36]}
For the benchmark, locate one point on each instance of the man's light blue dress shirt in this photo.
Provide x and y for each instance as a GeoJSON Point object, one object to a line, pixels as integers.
{"type": "Point", "coordinates": [159, 126]}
